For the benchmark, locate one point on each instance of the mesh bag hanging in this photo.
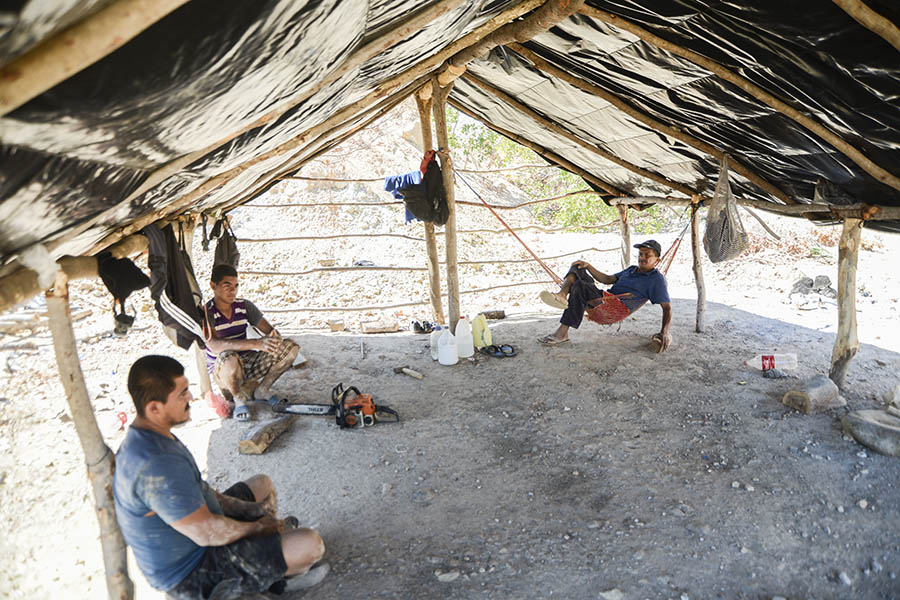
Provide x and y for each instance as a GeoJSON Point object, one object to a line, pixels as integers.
{"type": "Point", "coordinates": [725, 237]}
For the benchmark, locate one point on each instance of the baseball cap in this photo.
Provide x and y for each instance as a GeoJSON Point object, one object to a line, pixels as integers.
{"type": "Point", "coordinates": [653, 244]}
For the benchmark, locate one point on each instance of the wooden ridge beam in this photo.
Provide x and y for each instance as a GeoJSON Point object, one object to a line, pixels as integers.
{"type": "Point", "coordinates": [56, 59]}
{"type": "Point", "coordinates": [543, 65]}
{"type": "Point", "coordinates": [561, 131]}
{"type": "Point", "coordinates": [838, 143]}
{"type": "Point", "coordinates": [875, 22]}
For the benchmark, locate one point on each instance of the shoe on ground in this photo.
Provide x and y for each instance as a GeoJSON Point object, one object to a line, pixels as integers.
{"type": "Point", "coordinates": [554, 300]}
{"type": "Point", "coordinates": [310, 579]}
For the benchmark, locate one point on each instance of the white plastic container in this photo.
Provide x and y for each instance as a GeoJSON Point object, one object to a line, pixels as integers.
{"type": "Point", "coordinates": [465, 346]}
{"type": "Point", "coordinates": [447, 354]}
{"type": "Point", "coordinates": [435, 337]}
{"type": "Point", "coordinates": [764, 362]}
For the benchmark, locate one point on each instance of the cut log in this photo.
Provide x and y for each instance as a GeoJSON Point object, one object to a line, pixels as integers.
{"type": "Point", "coordinates": [818, 394]}
{"type": "Point", "coordinates": [874, 429]}
{"type": "Point", "coordinates": [846, 342]}
{"type": "Point", "coordinates": [257, 439]}
{"type": "Point", "coordinates": [379, 326]}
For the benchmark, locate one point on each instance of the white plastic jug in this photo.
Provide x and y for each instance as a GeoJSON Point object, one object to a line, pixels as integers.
{"type": "Point", "coordinates": [447, 348]}
{"type": "Point", "coordinates": [435, 338]}
{"type": "Point", "coordinates": [464, 344]}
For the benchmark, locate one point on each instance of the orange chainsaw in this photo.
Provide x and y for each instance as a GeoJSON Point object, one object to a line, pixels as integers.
{"type": "Point", "coordinates": [351, 409]}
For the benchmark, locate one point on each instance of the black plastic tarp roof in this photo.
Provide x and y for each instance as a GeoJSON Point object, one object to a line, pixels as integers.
{"type": "Point", "coordinates": [78, 161]}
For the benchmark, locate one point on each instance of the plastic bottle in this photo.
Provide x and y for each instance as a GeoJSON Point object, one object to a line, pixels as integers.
{"type": "Point", "coordinates": [435, 337]}
{"type": "Point", "coordinates": [764, 362]}
{"type": "Point", "coordinates": [481, 333]}
{"type": "Point", "coordinates": [464, 344]}
{"type": "Point", "coordinates": [447, 354]}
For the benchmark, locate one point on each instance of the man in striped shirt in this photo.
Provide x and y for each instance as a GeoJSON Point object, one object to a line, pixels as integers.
{"type": "Point", "coordinates": [234, 361]}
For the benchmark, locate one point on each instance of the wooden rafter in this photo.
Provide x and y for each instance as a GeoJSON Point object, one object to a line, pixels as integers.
{"type": "Point", "coordinates": [868, 18]}
{"type": "Point", "coordinates": [562, 132]}
{"type": "Point", "coordinates": [77, 47]}
{"type": "Point", "coordinates": [838, 143]}
{"type": "Point", "coordinates": [550, 69]}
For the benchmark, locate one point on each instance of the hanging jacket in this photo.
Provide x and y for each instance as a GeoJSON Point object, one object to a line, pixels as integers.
{"type": "Point", "coordinates": [425, 197]}
{"type": "Point", "coordinates": [173, 285]}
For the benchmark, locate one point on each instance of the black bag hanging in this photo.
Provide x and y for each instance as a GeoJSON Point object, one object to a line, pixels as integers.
{"type": "Point", "coordinates": [428, 200]}
{"type": "Point", "coordinates": [121, 277]}
{"type": "Point", "coordinates": [226, 247]}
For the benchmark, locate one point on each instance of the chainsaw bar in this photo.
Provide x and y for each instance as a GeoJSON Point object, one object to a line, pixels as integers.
{"type": "Point", "coordinates": [306, 409]}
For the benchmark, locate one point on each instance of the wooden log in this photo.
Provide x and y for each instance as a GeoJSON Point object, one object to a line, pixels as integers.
{"type": "Point", "coordinates": [649, 121]}
{"type": "Point", "coordinates": [818, 394]}
{"type": "Point", "coordinates": [626, 235]}
{"type": "Point", "coordinates": [434, 273]}
{"type": "Point", "coordinates": [384, 326]}
{"type": "Point", "coordinates": [258, 438]}
{"type": "Point", "coordinates": [440, 125]}
{"type": "Point", "coordinates": [77, 47]}
{"type": "Point", "coordinates": [753, 90]}
{"type": "Point", "coordinates": [868, 18]}
{"type": "Point", "coordinates": [700, 324]}
{"type": "Point", "coordinates": [846, 342]}
{"type": "Point", "coordinates": [101, 462]}
{"type": "Point", "coordinates": [566, 134]}
{"type": "Point", "coordinates": [875, 429]}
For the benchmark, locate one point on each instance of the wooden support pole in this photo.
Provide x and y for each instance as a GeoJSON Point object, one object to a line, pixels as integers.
{"type": "Point", "coordinates": [626, 235]}
{"type": "Point", "coordinates": [443, 141]}
{"type": "Point", "coordinates": [872, 20]}
{"type": "Point", "coordinates": [846, 342]}
{"type": "Point", "coordinates": [566, 134]}
{"type": "Point", "coordinates": [423, 103]}
{"type": "Point", "coordinates": [199, 353]}
{"type": "Point", "coordinates": [753, 90]}
{"type": "Point", "coordinates": [101, 462]}
{"type": "Point", "coordinates": [81, 45]}
{"type": "Point", "coordinates": [672, 132]}
{"type": "Point", "coordinates": [700, 325]}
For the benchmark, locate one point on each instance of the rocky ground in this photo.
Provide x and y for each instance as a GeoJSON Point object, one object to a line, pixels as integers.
{"type": "Point", "coordinates": [596, 469]}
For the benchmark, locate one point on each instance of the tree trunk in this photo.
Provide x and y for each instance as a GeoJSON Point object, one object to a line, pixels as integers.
{"type": "Point", "coordinates": [698, 269]}
{"type": "Point", "coordinates": [434, 273]}
{"type": "Point", "coordinates": [846, 343]}
{"type": "Point", "coordinates": [440, 124]}
{"type": "Point", "coordinates": [626, 236]}
{"type": "Point", "coordinates": [101, 462]}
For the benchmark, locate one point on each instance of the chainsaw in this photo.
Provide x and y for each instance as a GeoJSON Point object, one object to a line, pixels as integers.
{"type": "Point", "coordinates": [351, 409]}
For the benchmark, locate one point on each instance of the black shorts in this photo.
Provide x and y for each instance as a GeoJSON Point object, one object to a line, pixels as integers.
{"type": "Point", "coordinates": [248, 565]}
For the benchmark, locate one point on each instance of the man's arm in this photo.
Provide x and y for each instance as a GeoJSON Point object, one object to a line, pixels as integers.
{"type": "Point", "coordinates": [218, 345]}
{"type": "Point", "coordinates": [665, 338]}
{"type": "Point", "coordinates": [207, 529]}
{"type": "Point", "coordinates": [599, 276]}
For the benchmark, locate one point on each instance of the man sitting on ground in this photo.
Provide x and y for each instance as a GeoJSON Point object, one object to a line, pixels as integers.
{"type": "Point", "coordinates": [640, 283]}
{"type": "Point", "coordinates": [234, 361]}
{"type": "Point", "coordinates": [188, 539]}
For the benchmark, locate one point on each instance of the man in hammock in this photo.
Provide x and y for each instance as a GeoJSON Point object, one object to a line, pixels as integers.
{"type": "Point", "coordinates": [634, 286]}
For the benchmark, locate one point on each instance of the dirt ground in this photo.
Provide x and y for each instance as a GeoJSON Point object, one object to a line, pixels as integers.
{"type": "Point", "coordinates": [595, 469]}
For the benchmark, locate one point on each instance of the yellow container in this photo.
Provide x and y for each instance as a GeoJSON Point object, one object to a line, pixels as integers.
{"type": "Point", "coordinates": [481, 333]}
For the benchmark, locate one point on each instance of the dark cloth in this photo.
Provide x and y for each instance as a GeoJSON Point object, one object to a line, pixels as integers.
{"type": "Point", "coordinates": [394, 183]}
{"type": "Point", "coordinates": [173, 285]}
{"type": "Point", "coordinates": [642, 287]}
{"type": "Point", "coordinates": [422, 191]}
{"type": "Point", "coordinates": [226, 248]}
{"type": "Point", "coordinates": [246, 566]}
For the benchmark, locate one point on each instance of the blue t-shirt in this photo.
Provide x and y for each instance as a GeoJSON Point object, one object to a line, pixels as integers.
{"type": "Point", "coordinates": [155, 473]}
{"type": "Point", "coordinates": [642, 286]}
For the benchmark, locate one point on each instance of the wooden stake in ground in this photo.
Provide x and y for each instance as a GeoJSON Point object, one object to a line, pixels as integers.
{"type": "Point", "coordinates": [626, 235]}
{"type": "Point", "coordinates": [698, 268]}
{"type": "Point", "coordinates": [434, 272]}
{"type": "Point", "coordinates": [101, 462]}
{"type": "Point", "coordinates": [846, 343]}
{"type": "Point", "coordinates": [443, 140]}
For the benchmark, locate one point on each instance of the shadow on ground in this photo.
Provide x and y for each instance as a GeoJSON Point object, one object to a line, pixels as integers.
{"type": "Point", "coordinates": [592, 466]}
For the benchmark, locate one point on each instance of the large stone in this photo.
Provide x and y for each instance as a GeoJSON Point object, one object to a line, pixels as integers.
{"type": "Point", "coordinates": [819, 393]}
{"type": "Point", "coordinates": [874, 429]}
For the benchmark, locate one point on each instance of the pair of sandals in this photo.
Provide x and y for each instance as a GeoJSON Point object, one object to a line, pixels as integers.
{"type": "Point", "coordinates": [423, 327]}
{"type": "Point", "coordinates": [501, 351]}
{"type": "Point", "coordinates": [242, 412]}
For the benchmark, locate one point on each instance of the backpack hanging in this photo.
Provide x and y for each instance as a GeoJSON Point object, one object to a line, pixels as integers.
{"type": "Point", "coordinates": [226, 247]}
{"type": "Point", "coordinates": [725, 237]}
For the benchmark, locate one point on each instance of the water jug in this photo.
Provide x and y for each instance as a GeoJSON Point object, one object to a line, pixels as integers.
{"type": "Point", "coordinates": [766, 361]}
{"type": "Point", "coordinates": [481, 333]}
{"type": "Point", "coordinates": [447, 354]}
{"type": "Point", "coordinates": [435, 338]}
{"type": "Point", "coordinates": [464, 345]}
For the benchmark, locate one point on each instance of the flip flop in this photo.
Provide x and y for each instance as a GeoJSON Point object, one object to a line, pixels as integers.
{"type": "Point", "coordinates": [507, 350]}
{"type": "Point", "coordinates": [272, 400]}
{"type": "Point", "coordinates": [492, 351]}
{"type": "Point", "coordinates": [551, 299]}
{"type": "Point", "coordinates": [241, 412]}
{"type": "Point", "coordinates": [549, 340]}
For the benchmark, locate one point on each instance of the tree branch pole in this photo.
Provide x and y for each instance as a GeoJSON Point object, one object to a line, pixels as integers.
{"type": "Point", "coordinates": [872, 20]}
{"type": "Point", "coordinates": [199, 353]}
{"type": "Point", "coordinates": [700, 325]}
{"type": "Point", "coordinates": [443, 141]}
{"type": "Point", "coordinates": [753, 90]}
{"type": "Point", "coordinates": [423, 104]}
{"type": "Point", "coordinates": [552, 70]}
{"type": "Point", "coordinates": [74, 49]}
{"type": "Point", "coordinates": [846, 342]}
{"type": "Point", "coordinates": [626, 235]}
{"type": "Point", "coordinates": [101, 462]}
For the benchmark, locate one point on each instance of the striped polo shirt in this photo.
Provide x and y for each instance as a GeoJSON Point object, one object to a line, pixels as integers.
{"type": "Point", "coordinates": [243, 314]}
